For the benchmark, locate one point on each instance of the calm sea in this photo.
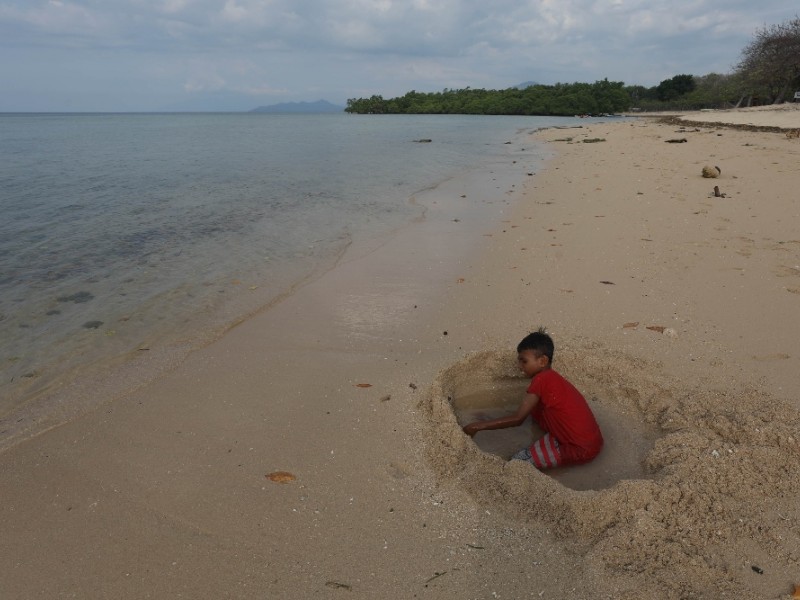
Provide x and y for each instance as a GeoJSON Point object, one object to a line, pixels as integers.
{"type": "Point", "coordinates": [120, 232]}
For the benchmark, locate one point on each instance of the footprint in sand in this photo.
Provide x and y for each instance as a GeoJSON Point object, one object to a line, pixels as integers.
{"type": "Point", "coordinates": [399, 470]}
{"type": "Point", "coordinates": [786, 271]}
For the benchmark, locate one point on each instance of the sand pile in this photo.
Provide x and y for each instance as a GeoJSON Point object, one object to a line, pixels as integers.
{"type": "Point", "coordinates": [716, 515]}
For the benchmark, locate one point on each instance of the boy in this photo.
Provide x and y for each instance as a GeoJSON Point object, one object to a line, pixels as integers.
{"type": "Point", "coordinates": [572, 435]}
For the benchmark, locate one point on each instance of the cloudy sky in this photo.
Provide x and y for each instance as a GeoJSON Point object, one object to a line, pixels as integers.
{"type": "Point", "coordinates": [143, 55]}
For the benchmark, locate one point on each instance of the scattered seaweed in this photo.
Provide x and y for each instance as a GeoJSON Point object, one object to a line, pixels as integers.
{"type": "Point", "coordinates": [77, 297]}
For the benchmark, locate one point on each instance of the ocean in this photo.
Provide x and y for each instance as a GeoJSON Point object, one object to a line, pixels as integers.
{"type": "Point", "coordinates": [125, 233]}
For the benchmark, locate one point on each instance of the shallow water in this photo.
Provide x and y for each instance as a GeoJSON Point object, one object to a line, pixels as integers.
{"type": "Point", "coordinates": [124, 233]}
{"type": "Point", "coordinates": [627, 438]}
{"type": "Point", "coordinates": [499, 401]}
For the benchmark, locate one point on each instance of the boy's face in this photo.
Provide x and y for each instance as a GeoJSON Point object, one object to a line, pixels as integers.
{"type": "Point", "coordinates": [531, 362]}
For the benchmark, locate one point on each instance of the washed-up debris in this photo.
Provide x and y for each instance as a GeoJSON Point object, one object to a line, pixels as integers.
{"type": "Point", "coordinates": [338, 585]}
{"type": "Point", "coordinates": [436, 575]}
{"type": "Point", "coordinates": [593, 140]}
{"type": "Point", "coordinates": [667, 331]}
{"type": "Point", "coordinates": [677, 141]}
{"type": "Point", "coordinates": [363, 385]}
{"type": "Point", "coordinates": [711, 172]}
{"type": "Point", "coordinates": [717, 193]}
{"type": "Point", "coordinates": [281, 477]}
{"type": "Point", "coordinates": [631, 325]}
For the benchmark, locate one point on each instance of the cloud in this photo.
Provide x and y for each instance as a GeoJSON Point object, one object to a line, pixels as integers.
{"type": "Point", "coordinates": [287, 47]}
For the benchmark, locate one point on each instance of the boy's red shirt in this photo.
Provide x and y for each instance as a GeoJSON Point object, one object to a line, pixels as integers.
{"type": "Point", "coordinates": [563, 412]}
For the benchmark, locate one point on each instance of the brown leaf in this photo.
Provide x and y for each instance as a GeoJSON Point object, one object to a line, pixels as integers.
{"type": "Point", "coordinates": [631, 325]}
{"type": "Point", "coordinates": [658, 328]}
{"type": "Point", "coordinates": [363, 385]}
{"type": "Point", "coordinates": [281, 476]}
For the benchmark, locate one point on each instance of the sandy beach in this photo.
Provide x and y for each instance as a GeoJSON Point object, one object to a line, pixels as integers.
{"type": "Point", "coordinates": [673, 309]}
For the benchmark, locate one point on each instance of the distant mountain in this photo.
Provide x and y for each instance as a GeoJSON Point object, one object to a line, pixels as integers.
{"type": "Point", "coordinates": [320, 106]}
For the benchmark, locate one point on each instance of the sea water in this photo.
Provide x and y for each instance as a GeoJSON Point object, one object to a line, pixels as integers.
{"type": "Point", "coordinates": [120, 232]}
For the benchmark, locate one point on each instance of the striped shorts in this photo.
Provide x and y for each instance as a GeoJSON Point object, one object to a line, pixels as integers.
{"type": "Point", "coordinates": [544, 453]}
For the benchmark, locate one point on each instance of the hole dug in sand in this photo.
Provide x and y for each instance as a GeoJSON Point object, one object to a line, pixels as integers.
{"type": "Point", "coordinates": [628, 438]}
{"type": "Point", "coordinates": [693, 488]}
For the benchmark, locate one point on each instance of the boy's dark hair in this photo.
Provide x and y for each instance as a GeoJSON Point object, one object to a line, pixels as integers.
{"type": "Point", "coordinates": [539, 342]}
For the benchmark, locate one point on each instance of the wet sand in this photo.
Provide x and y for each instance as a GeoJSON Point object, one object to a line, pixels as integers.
{"type": "Point", "coordinates": [350, 385]}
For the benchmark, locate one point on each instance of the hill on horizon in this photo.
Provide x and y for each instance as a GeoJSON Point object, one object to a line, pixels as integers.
{"type": "Point", "coordinates": [320, 106]}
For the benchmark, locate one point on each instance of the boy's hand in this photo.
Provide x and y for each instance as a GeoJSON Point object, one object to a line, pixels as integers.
{"type": "Point", "coordinates": [471, 429]}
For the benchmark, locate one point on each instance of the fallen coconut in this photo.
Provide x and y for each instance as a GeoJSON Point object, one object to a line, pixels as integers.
{"type": "Point", "coordinates": [711, 172]}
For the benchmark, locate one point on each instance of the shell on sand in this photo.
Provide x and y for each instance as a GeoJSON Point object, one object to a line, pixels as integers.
{"type": "Point", "coordinates": [711, 172]}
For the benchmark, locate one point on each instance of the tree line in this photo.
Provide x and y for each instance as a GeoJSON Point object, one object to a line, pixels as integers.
{"type": "Point", "coordinates": [559, 99]}
{"type": "Point", "coordinates": [768, 72]}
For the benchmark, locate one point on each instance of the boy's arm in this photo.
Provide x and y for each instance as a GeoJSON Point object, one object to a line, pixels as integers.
{"type": "Point", "coordinates": [528, 404]}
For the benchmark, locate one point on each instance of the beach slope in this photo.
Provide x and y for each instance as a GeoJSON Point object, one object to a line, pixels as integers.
{"type": "Point", "coordinates": [313, 451]}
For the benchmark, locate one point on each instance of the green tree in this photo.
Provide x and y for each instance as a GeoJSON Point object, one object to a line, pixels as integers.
{"type": "Point", "coordinates": [673, 88]}
{"type": "Point", "coordinates": [770, 64]}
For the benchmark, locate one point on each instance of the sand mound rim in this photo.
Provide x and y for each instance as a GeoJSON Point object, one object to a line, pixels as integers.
{"type": "Point", "coordinates": [719, 493]}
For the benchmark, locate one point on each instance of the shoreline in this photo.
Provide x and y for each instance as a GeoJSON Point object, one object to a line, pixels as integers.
{"type": "Point", "coordinates": [339, 386]}
{"type": "Point", "coordinates": [84, 388]}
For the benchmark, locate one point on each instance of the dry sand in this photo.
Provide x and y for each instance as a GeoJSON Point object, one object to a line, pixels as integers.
{"type": "Point", "coordinates": [783, 116]}
{"type": "Point", "coordinates": [350, 385]}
